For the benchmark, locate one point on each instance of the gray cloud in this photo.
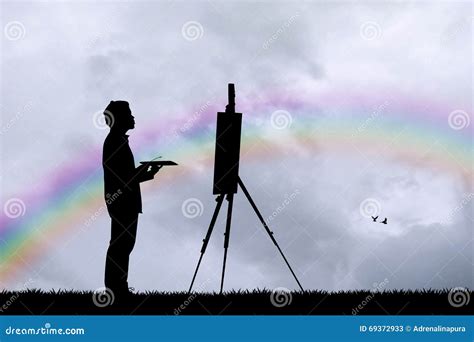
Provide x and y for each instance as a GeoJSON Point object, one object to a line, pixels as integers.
{"type": "Point", "coordinates": [76, 57]}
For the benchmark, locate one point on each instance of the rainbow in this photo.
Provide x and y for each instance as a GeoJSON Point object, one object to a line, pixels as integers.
{"type": "Point", "coordinates": [408, 130]}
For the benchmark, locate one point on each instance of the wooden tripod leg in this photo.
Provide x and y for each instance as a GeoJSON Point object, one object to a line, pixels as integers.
{"type": "Point", "coordinates": [230, 198]}
{"type": "Point", "coordinates": [219, 200]}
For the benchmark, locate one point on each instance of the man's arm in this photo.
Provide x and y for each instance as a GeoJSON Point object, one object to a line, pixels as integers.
{"type": "Point", "coordinates": [146, 172]}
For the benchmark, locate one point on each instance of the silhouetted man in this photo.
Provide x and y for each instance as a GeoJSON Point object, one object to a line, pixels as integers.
{"type": "Point", "coordinates": [122, 194]}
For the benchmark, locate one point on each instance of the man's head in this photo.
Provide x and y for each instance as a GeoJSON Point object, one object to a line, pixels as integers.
{"type": "Point", "coordinates": [118, 116]}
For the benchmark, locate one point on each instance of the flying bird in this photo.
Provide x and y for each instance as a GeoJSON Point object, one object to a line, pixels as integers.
{"type": "Point", "coordinates": [384, 221]}
{"type": "Point", "coordinates": [374, 218]}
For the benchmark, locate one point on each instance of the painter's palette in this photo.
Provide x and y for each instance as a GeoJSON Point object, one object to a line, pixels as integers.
{"type": "Point", "coordinates": [159, 163]}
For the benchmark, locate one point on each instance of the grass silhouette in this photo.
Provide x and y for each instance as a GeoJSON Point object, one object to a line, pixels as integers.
{"type": "Point", "coordinates": [241, 302]}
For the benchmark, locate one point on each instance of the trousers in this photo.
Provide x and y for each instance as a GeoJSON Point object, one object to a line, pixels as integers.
{"type": "Point", "coordinates": [122, 241]}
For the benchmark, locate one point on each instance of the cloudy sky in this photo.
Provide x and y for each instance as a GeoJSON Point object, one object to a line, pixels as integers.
{"type": "Point", "coordinates": [307, 74]}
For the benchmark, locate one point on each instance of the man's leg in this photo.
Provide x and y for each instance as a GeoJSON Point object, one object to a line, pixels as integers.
{"type": "Point", "coordinates": [123, 236]}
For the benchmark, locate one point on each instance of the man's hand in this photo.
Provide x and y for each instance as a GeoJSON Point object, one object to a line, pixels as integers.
{"type": "Point", "coordinates": [154, 169]}
{"type": "Point", "coordinates": [146, 172]}
{"type": "Point", "coordinates": [141, 169]}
